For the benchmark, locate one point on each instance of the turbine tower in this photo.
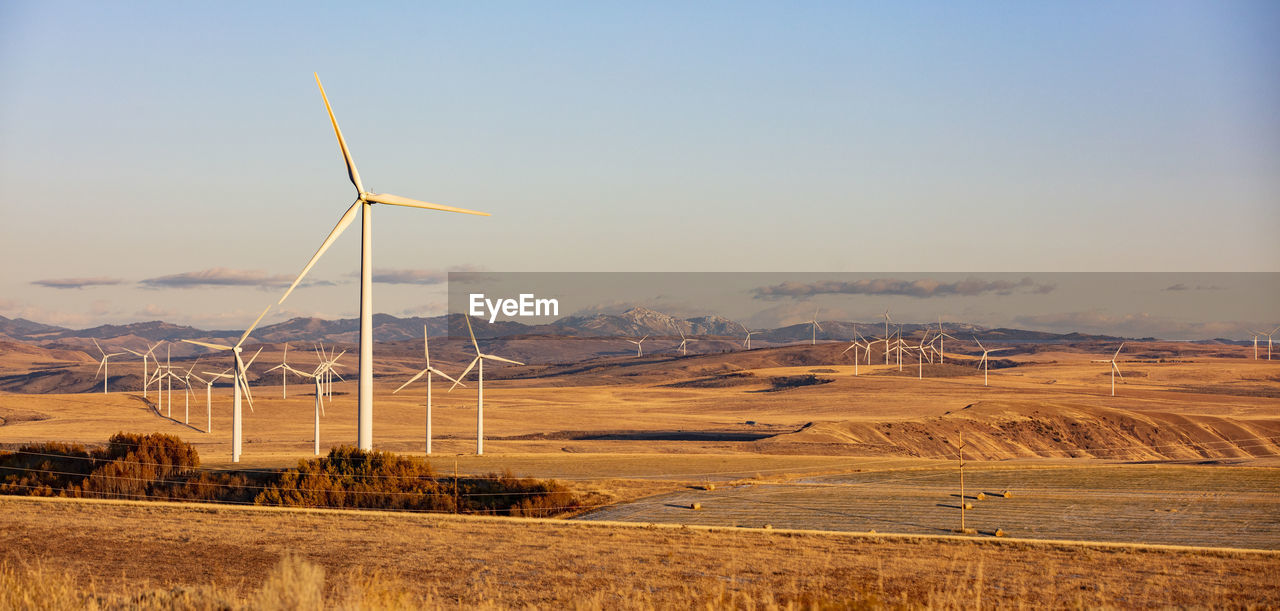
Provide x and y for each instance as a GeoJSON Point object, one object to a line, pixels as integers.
{"type": "Point", "coordinates": [1269, 338]}
{"type": "Point", "coordinates": [480, 359]}
{"type": "Point", "coordinates": [102, 365]}
{"type": "Point", "coordinates": [364, 206]}
{"type": "Point", "coordinates": [426, 353]}
{"type": "Point", "coordinates": [240, 384]}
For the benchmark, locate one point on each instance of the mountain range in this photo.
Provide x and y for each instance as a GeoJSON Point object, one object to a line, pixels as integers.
{"type": "Point", "coordinates": [633, 323]}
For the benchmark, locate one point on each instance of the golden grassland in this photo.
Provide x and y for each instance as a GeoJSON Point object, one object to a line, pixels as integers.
{"type": "Point", "coordinates": [120, 550]}
{"type": "Point", "coordinates": [641, 439]}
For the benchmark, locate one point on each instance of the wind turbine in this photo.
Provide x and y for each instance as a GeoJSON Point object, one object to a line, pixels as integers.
{"type": "Point", "coordinates": [853, 343]}
{"type": "Point", "coordinates": [986, 366]}
{"type": "Point", "coordinates": [146, 382]}
{"type": "Point", "coordinates": [886, 337]}
{"type": "Point", "coordinates": [240, 383]}
{"type": "Point", "coordinates": [747, 342]}
{"type": "Point", "coordinates": [816, 327]}
{"type": "Point", "coordinates": [364, 206]}
{"type": "Point", "coordinates": [426, 353]}
{"type": "Point", "coordinates": [920, 363]}
{"type": "Point", "coordinates": [480, 359]}
{"type": "Point", "coordinates": [208, 396]}
{"type": "Point", "coordinates": [942, 342]}
{"type": "Point", "coordinates": [102, 366]}
{"type": "Point", "coordinates": [284, 372]}
{"type": "Point", "coordinates": [186, 379]}
{"type": "Point", "coordinates": [684, 341]}
{"type": "Point", "coordinates": [639, 348]}
{"type": "Point", "coordinates": [1269, 338]}
{"type": "Point", "coordinates": [1115, 369]}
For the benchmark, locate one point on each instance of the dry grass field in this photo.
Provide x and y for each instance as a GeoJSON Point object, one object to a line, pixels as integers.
{"type": "Point", "coordinates": [116, 548]}
{"type": "Point", "coordinates": [1186, 453]}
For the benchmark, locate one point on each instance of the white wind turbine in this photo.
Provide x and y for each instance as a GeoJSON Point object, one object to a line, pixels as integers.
{"type": "Point", "coordinates": [284, 372]}
{"type": "Point", "coordinates": [1269, 338]}
{"type": "Point", "coordinates": [146, 381]}
{"type": "Point", "coordinates": [942, 345]}
{"type": "Point", "coordinates": [318, 376]}
{"type": "Point", "coordinates": [813, 341]}
{"type": "Point", "coordinates": [208, 396]}
{"type": "Point", "coordinates": [746, 343]}
{"type": "Point", "coordinates": [239, 384]}
{"type": "Point", "coordinates": [886, 337]}
{"type": "Point", "coordinates": [426, 353]}
{"type": "Point", "coordinates": [1256, 335]}
{"type": "Point", "coordinates": [480, 359]}
{"type": "Point", "coordinates": [639, 347]}
{"type": "Point", "coordinates": [854, 343]}
{"type": "Point", "coordinates": [102, 365]}
{"type": "Point", "coordinates": [186, 380]}
{"type": "Point", "coordinates": [684, 341]}
{"type": "Point", "coordinates": [364, 206]}
{"type": "Point", "coordinates": [982, 363]}
{"type": "Point", "coordinates": [1115, 369]}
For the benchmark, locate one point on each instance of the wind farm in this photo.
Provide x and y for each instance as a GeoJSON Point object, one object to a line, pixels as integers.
{"type": "Point", "coordinates": [710, 403]}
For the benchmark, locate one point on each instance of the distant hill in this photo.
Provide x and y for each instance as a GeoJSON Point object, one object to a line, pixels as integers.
{"type": "Point", "coordinates": [633, 323]}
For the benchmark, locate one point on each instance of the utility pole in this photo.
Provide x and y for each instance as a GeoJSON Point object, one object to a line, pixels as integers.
{"type": "Point", "coordinates": [964, 503]}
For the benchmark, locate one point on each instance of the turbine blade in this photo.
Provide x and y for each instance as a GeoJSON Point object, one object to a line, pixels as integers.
{"type": "Point", "coordinates": [411, 380]}
{"type": "Point", "coordinates": [346, 154]}
{"type": "Point", "coordinates": [1118, 351]}
{"type": "Point", "coordinates": [396, 200]}
{"type": "Point", "coordinates": [472, 333]}
{"type": "Point", "coordinates": [445, 375]}
{"type": "Point", "coordinates": [498, 358]}
{"type": "Point", "coordinates": [208, 345]}
{"type": "Point", "coordinates": [426, 350]}
{"type": "Point", "coordinates": [464, 373]}
{"type": "Point", "coordinates": [255, 356]}
{"type": "Point", "coordinates": [347, 217]}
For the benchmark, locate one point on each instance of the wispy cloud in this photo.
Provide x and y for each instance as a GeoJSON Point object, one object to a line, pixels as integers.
{"type": "Point", "coordinates": [924, 288]}
{"type": "Point", "coordinates": [410, 276]}
{"type": "Point", "coordinates": [1199, 287]}
{"type": "Point", "coordinates": [419, 276]}
{"type": "Point", "coordinates": [77, 283]}
{"type": "Point", "coordinates": [222, 276]}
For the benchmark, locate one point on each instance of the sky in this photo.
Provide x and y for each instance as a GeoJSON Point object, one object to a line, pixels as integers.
{"type": "Point", "coordinates": [174, 160]}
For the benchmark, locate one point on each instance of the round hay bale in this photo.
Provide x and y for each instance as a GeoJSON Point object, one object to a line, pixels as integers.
{"type": "Point", "coordinates": [1006, 494]}
{"type": "Point", "coordinates": [968, 505]}
{"type": "Point", "coordinates": [981, 496]}
{"type": "Point", "coordinates": [709, 487]}
{"type": "Point", "coordinates": [999, 532]}
{"type": "Point", "coordinates": [695, 506]}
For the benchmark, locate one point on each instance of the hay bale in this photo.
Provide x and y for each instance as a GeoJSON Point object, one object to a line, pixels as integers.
{"type": "Point", "coordinates": [1006, 494]}
{"type": "Point", "coordinates": [999, 532]}
{"type": "Point", "coordinates": [695, 506]}
{"type": "Point", "coordinates": [709, 487]}
{"type": "Point", "coordinates": [981, 496]}
{"type": "Point", "coordinates": [968, 505]}
{"type": "Point", "coordinates": [768, 526]}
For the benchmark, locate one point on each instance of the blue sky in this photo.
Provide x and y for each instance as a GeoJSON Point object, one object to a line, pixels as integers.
{"type": "Point", "coordinates": [151, 140]}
